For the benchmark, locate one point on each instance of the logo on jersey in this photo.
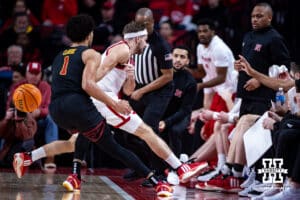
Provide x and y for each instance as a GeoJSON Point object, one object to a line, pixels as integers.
{"type": "Point", "coordinates": [257, 47]}
{"type": "Point", "coordinates": [178, 93]}
{"type": "Point", "coordinates": [272, 171]}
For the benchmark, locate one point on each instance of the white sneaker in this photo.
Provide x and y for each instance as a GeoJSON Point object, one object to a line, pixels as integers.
{"type": "Point", "coordinates": [208, 176]}
{"type": "Point", "coordinates": [249, 180]}
{"type": "Point", "coordinates": [288, 194]}
{"type": "Point", "coordinates": [268, 193]}
{"type": "Point", "coordinates": [244, 193]}
{"type": "Point", "coordinates": [173, 178]}
{"type": "Point", "coordinates": [262, 187]}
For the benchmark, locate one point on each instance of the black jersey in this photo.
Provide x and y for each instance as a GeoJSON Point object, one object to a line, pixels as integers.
{"type": "Point", "coordinates": [67, 70]}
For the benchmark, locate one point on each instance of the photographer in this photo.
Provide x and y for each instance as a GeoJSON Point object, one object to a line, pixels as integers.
{"type": "Point", "coordinates": [17, 129]}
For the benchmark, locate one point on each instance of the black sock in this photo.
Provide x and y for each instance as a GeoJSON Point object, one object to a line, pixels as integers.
{"type": "Point", "coordinates": [238, 167]}
{"type": "Point", "coordinates": [76, 169]}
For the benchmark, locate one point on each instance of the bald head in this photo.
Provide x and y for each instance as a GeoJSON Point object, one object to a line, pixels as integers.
{"type": "Point", "coordinates": [268, 9]}
{"type": "Point", "coordinates": [145, 12]}
{"type": "Point", "coordinates": [261, 16]}
{"type": "Point", "coordinates": [145, 16]}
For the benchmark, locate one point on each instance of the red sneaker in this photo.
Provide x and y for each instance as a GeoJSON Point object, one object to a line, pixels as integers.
{"type": "Point", "coordinates": [224, 183]}
{"type": "Point", "coordinates": [163, 190]}
{"type": "Point", "coordinates": [21, 163]}
{"type": "Point", "coordinates": [72, 183]}
{"type": "Point", "coordinates": [187, 171]}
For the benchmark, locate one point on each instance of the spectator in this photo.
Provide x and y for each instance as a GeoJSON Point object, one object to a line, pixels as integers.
{"type": "Point", "coordinates": [14, 55]}
{"type": "Point", "coordinates": [57, 12]}
{"type": "Point", "coordinates": [21, 25]}
{"type": "Point", "coordinates": [47, 130]}
{"type": "Point", "coordinates": [180, 13]}
{"type": "Point", "coordinates": [21, 7]}
{"type": "Point", "coordinates": [109, 26]}
{"type": "Point", "coordinates": [176, 118]}
{"type": "Point", "coordinates": [18, 130]}
{"type": "Point", "coordinates": [216, 12]}
{"type": "Point", "coordinates": [30, 52]}
{"type": "Point", "coordinates": [166, 31]}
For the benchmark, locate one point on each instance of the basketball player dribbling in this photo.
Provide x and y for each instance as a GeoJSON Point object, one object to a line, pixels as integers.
{"type": "Point", "coordinates": [74, 86]}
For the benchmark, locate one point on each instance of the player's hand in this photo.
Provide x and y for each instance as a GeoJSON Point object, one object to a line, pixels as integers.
{"type": "Point", "coordinates": [123, 107]}
{"type": "Point", "coordinates": [137, 95]}
{"type": "Point", "coordinates": [252, 84]}
{"type": "Point", "coordinates": [129, 69]}
{"type": "Point", "coordinates": [268, 123]}
{"type": "Point", "coordinates": [161, 126]}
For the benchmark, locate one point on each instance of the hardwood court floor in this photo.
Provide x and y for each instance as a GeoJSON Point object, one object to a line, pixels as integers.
{"type": "Point", "coordinates": [103, 184]}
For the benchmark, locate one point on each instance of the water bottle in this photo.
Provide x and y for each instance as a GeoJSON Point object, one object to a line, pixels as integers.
{"type": "Point", "coordinates": [280, 98]}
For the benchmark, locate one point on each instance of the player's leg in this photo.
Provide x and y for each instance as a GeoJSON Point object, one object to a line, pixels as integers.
{"type": "Point", "coordinates": [24, 159]}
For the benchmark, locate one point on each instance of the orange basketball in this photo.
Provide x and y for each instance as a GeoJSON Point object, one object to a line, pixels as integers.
{"type": "Point", "coordinates": [27, 98]}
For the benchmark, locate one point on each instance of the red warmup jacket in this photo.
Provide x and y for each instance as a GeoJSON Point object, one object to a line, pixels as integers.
{"type": "Point", "coordinates": [45, 89]}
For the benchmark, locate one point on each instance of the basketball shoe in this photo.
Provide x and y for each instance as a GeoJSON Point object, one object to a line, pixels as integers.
{"type": "Point", "coordinates": [224, 183]}
{"type": "Point", "coordinates": [188, 171]}
{"type": "Point", "coordinates": [21, 163]}
{"type": "Point", "coordinates": [163, 190]}
{"type": "Point", "coordinates": [72, 183]}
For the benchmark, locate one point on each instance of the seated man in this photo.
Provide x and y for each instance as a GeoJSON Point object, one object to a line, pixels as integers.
{"type": "Point", "coordinates": [176, 118]}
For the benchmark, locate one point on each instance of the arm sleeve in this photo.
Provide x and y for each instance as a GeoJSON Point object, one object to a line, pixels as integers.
{"type": "Point", "coordinates": [186, 106]}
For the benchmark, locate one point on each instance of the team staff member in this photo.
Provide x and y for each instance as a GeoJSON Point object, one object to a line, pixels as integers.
{"type": "Point", "coordinates": [262, 48]}
{"type": "Point", "coordinates": [177, 116]}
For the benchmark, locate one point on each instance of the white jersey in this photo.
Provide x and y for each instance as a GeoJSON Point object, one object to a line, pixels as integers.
{"type": "Point", "coordinates": [217, 54]}
{"type": "Point", "coordinates": [114, 80]}
{"type": "Point", "coordinates": [112, 84]}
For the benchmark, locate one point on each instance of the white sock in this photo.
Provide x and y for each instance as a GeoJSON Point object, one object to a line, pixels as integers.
{"type": "Point", "coordinates": [173, 161]}
{"type": "Point", "coordinates": [225, 170]}
{"type": "Point", "coordinates": [38, 154]}
{"type": "Point", "coordinates": [221, 160]}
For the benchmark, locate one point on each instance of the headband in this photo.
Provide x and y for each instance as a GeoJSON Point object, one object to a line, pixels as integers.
{"type": "Point", "coordinates": [135, 34]}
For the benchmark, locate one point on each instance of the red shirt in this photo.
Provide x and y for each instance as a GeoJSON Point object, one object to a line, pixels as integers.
{"type": "Point", "coordinates": [59, 11]}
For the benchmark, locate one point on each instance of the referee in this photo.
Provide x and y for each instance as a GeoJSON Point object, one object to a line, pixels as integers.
{"type": "Point", "coordinates": [154, 81]}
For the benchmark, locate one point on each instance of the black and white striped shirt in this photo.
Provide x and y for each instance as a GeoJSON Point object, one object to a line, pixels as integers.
{"type": "Point", "coordinates": [156, 56]}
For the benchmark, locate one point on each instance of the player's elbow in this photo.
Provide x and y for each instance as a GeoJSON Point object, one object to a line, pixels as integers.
{"type": "Point", "coordinates": [87, 86]}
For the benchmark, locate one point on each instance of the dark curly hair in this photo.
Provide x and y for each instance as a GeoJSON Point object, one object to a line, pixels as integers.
{"type": "Point", "coordinates": [79, 27]}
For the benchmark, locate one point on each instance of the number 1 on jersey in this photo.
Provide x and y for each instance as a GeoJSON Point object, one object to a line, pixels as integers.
{"type": "Point", "coordinates": [64, 68]}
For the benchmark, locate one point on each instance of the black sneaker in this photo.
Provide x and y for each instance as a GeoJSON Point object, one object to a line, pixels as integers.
{"type": "Point", "coordinates": [132, 175]}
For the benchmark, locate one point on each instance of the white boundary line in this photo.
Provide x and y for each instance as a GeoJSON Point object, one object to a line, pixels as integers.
{"type": "Point", "coordinates": [116, 188]}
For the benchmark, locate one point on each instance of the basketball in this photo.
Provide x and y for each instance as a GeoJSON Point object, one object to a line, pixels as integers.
{"type": "Point", "coordinates": [27, 98]}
